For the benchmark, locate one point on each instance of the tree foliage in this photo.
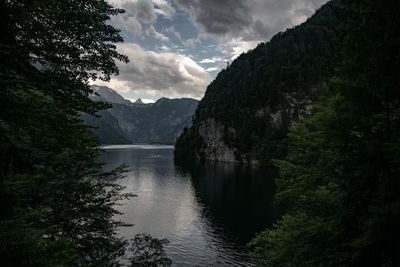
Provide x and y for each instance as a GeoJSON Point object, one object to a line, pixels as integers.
{"type": "Point", "coordinates": [148, 252]}
{"type": "Point", "coordinates": [340, 180]}
{"type": "Point", "coordinates": [57, 203]}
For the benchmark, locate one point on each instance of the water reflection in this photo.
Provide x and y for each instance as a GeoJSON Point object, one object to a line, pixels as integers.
{"type": "Point", "coordinates": [208, 212]}
{"type": "Point", "coordinates": [238, 198]}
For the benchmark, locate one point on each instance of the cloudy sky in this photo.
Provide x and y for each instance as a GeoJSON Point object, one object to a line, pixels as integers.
{"type": "Point", "coordinates": [177, 47]}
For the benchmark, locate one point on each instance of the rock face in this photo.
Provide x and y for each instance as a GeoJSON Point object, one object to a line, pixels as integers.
{"type": "Point", "coordinates": [126, 122]}
{"type": "Point", "coordinates": [212, 133]}
{"type": "Point", "coordinates": [248, 110]}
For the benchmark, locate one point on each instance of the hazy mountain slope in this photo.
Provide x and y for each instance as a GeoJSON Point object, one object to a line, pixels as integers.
{"type": "Point", "coordinates": [126, 122]}
{"type": "Point", "coordinates": [108, 95]}
{"type": "Point", "coordinates": [107, 128]}
{"type": "Point", "coordinates": [247, 110]}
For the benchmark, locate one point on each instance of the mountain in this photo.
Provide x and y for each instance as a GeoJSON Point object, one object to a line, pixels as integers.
{"type": "Point", "coordinates": [108, 95]}
{"type": "Point", "coordinates": [248, 109]}
{"type": "Point", "coordinates": [127, 122]}
{"type": "Point", "coordinates": [139, 101]}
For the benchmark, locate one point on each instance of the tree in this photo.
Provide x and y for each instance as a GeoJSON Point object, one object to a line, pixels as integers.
{"type": "Point", "coordinates": [340, 180]}
{"type": "Point", "coordinates": [148, 252]}
{"type": "Point", "coordinates": [57, 204]}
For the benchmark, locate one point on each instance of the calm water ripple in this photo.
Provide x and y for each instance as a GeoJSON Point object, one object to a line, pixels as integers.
{"type": "Point", "coordinates": [207, 212]}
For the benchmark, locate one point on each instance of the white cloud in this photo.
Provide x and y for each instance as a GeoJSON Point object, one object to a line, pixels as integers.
{"type": "Point", "coordinates": [165, 48]}
{"type": "Point", "coordinates": [115, 84]}
{"type": "Point", "coordinates": [235, 47]}
{"type": "Point", "coordinates": [146, 10]}
{"type": "Point", "coordinates": [151, 31]}
{"type": "Point", "coordinates": [190, 43]}
{"type": "Point", "coordinates": [187, 43]}
{"type": "Point", "coordinates": [128, 24]}
{"type": "Point", "coordinates": [212, 60]}
{"type": "Point", "coordinates": [172, 30]}
{"type": "Point", "coordinates": [144, 100]}
{"type": "Point", "coordinates": [164, 8]}
{"type": "Point", "coordinates": [212, 69]}
{"type": "Point", "coordinates": [143, 10]}
{"type": "Point", "coordinates": [170, 74]}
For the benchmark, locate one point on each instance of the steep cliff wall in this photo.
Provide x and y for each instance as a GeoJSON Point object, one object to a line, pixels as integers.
{"type": "Point", "coordinates": [250, 106]}
{"type": "Point", "coordinates": [212, 133]}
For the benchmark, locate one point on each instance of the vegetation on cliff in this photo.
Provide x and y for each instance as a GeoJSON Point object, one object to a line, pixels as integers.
{"type": "Point", "coordinates": [268, 89]}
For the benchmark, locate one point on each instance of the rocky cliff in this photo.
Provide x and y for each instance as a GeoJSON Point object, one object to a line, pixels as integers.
{"type": "Point", "coordinates": [212, 132]}
{"type": "Point", "coordinates": [248, 109]}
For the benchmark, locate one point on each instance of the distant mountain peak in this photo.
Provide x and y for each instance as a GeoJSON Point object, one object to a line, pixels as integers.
{"type": "Point", "coordinates": [139, 101]}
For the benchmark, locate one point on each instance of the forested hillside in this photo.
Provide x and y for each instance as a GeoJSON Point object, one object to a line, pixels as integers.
{"type": "Point", "coordinates": [340, 180]}
{"type": "Point", "coordinates": [248, 109]}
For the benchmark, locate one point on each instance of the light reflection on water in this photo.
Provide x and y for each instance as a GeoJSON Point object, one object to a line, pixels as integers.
{"type": "Point", "coordinates": [207, 212]}
{"type": "Point", "coordinates": [136, 146]}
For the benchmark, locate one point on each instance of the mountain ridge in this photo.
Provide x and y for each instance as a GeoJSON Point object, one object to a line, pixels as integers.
{"type": "Point", "coordinates": [127, 122]}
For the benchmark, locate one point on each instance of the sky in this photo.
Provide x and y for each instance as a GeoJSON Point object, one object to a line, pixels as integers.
{"type": "Point", "coordinates": [177, 47]}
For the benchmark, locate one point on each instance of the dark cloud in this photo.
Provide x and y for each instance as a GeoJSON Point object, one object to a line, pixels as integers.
{"type": "Point", "coordinates": [216, 17]}
{"type": "Point", "coordinates": [248, 19]}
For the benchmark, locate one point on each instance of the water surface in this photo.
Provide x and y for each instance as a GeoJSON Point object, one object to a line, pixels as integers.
{"type": "Point", "coordinates": [208, 212]}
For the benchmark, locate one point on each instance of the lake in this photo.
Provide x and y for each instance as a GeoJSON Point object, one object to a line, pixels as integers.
{"type": "Point", "coordinates": [208, 212]}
